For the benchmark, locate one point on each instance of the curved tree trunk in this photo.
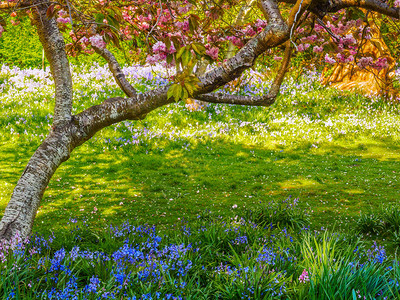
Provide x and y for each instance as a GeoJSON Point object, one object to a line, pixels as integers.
{"type": "Point", "coordinates": [25, 200]}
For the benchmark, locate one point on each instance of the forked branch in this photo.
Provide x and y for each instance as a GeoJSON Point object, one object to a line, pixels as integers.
{"type": "Point", "coordinates": [265, 100]}
{"type": "Point", "coordinates": [116, 70]}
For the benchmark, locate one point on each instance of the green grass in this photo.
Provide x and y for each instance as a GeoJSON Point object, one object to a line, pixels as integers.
{"type": "Point", "coordinates": [338, 152]}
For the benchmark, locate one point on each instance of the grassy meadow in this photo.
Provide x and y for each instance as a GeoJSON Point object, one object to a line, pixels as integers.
{"type": "Point", "coordinates": [336, 153]}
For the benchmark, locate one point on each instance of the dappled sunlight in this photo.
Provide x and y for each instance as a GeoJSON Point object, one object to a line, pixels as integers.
{"type": "Point", "coordinates": [299, 183]}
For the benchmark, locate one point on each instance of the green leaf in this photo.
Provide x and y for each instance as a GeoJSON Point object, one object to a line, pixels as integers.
{"type": "Point", "coordinates": [99, 18]}
{"type": "Point", "coordinates": [354, 13]}
{"type": "Point", "coordinates": [199, 48]}
{"type": "Point", "coordinates": [170, 57]}
{"type": "Point", "coordinates": [180, 52]}
{"type": "Point", "coordinates": [171, 90]}
{"type": "Point", "coordinates": [184, 94]}
{"type": "Point", "coordinates": [178, 92]}
{"type": "Point", "coordinates": [189, 88]}
{"type": "Point", "coordinates": [186, 56]}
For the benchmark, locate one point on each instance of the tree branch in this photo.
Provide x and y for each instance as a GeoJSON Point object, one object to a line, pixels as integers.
{"type": "Point", "coordinates": [373, 5]}
{"type": "Point", "coordinates": [265, 100]}
{"type": "Point", "coordinates": [116, 70]}
{"type": "Point", "coordinates": [274, 34]}
{"type": "Point", "coordinates": [54, 48]}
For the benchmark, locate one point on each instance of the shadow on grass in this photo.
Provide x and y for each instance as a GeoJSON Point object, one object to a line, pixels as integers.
{"type": "Point", "coordinates": [161, 186]}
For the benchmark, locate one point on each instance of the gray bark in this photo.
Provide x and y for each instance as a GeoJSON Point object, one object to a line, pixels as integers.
{"type": "Point", "coordinates": [54, 48]}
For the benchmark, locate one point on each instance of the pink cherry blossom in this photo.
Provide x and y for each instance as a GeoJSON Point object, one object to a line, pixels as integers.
{"type": "Point", "coordinates": [159, 47]}
{"type": "Point", "coordinates": [364, 62]}
{"type": "Point", "coordinates": [97, 41]}
{"type": "Point", "coordinates": [329, 59]}
{"type": "Point", "coordinates": [380, 64]}
{"type": "Point", "coordinates": [318, 49]}
{"type": "Point", "coordinates": [213, 53]}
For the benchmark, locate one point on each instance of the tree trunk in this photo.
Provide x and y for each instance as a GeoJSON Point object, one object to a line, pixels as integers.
{"type": "Point", "coordinates": [25, 200]}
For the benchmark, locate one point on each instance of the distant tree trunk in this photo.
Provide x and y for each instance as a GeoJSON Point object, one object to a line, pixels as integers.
{"type": "Point", "coordinates": [241, 17]}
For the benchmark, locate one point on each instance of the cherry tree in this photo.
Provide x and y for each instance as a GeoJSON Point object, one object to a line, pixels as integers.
{"type": "Point", "coordinates": [179, 34]}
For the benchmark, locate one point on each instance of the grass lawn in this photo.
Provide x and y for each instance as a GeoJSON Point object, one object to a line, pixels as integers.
{"type": "Point", "coordinates": [337, 152]}
{"type": "Point", "coordinates": [228, 171]}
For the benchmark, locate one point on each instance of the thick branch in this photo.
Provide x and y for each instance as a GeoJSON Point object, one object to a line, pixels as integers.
{"type": "Point", "coordinates": [116, 70]}
{"type": "Point", "coordinates": [274, 34]}
{"type": "Point", "coordinates": [54, 48]}
{"type": "Point", "coordinates": [270, 10]}
{"type": "Point", "coordinates": [373, 5]}
{"type": "Point", "coordinates": [114, 110]}
{"type": "Point", "coordinates": [265, 100]}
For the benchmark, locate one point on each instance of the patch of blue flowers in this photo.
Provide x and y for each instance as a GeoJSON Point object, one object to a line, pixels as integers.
{"type": "Point", "coordinates": [210, 258]}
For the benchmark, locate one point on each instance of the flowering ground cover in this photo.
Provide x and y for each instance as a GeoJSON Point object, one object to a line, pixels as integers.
{"type": "Point", "coordinates": [337, 152]}
{"type": "Point", "coordinates": [212, 258]}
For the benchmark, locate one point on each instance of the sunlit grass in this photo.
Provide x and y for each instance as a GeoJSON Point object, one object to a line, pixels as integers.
{"type": "Point", "coordinates": [336, 151]}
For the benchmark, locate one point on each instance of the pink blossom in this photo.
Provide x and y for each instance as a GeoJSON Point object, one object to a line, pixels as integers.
{"type": "Point", "coordinates": [63, 20]}
{"type": "Point", "coordinates": [380, 64]}
{"type": "Point", "coordinates": [172, 49]}
{"type": "Point", "coordinates": [184, 26]}
{"type": "Point", "coordinates": [144, 26]}
{"type": "Point", "coordinates": [350, 58]}
{"type": "Point", "coordinates": [1, 30]}
{"type": "Point", "coordinates": [318, 28]}
{"type": "Point", "coordinates": [277, 58]}
{"type": "Point", "coordinates": [329, 59]}
{"type": "Point", "coordinates": [318, 49]}
{"type": "Point", "coordinates": [302, 47]}
{"type": "Point", "coordinates": [159, 47]}
{"type": "Point", "coordinates": [250, 31]}
{"type": "Point", "coordinates": [213, 53]}
{"type": "Point", "coordinates": [304, 277]}
{"type": "Point", "coordinates": [184, 9]}
{"type": "Point", "coordinates": [340, 57]}
{"type": "Point", "coordinates": [364, 62]}
{"type": "Point", "coordinates": [397, 3]}
{"type": "Point", "coordinates": [97, 41]}
{"type": "Point", "coordinates": [235, 40]}
{"type": "Point", "coordinates": [153, 59]}
{"type": "Point", "coordinates": [348, 40]}
{"type": "Point", "coordinates": [262, 23]}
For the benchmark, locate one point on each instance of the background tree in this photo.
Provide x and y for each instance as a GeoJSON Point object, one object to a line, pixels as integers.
{"type": "Point", "coordinates": [177, 34]}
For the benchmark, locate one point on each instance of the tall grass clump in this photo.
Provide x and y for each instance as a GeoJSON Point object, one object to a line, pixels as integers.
{"type": "Point", "coordinates": [384, 221]}
{"type": "Point", "coordinates": [281, 214]}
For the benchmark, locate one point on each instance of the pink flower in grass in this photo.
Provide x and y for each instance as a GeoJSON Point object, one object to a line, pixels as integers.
{"type": "Point", "coordinates": [304, 277]}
